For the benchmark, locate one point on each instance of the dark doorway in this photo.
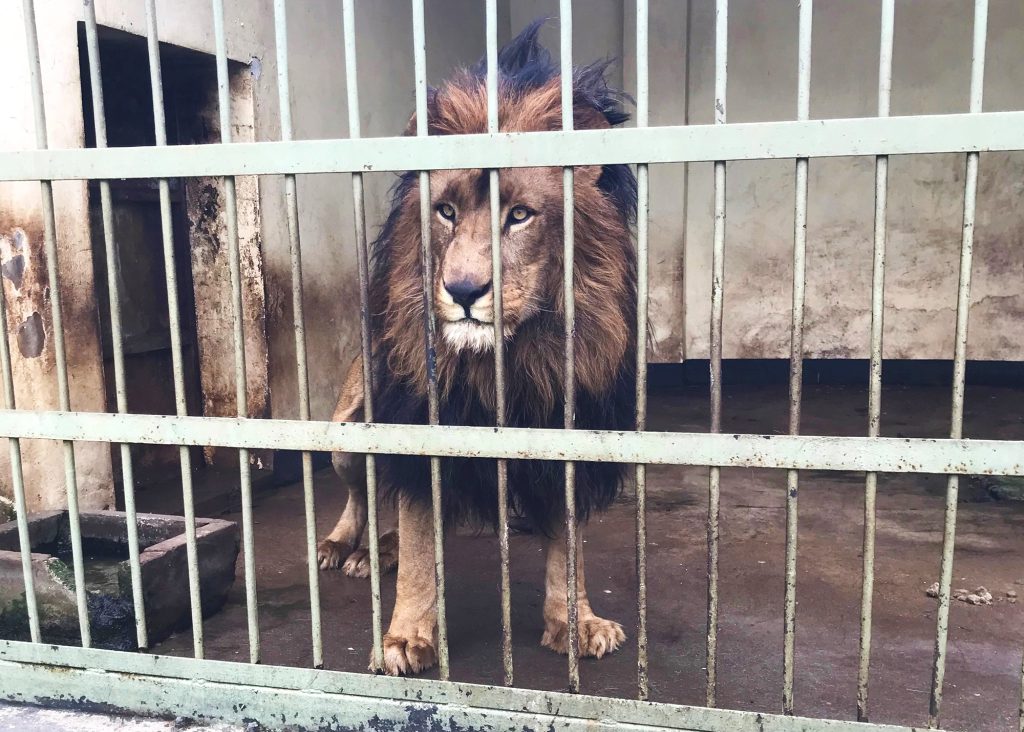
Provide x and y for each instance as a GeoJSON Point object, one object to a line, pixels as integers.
{"type": "Point", "coordinates": [188, 79]}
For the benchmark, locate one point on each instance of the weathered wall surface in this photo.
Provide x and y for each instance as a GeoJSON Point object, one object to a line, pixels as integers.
{"type": "Point", "coordinates": [931, 69]}
{"type": "Point", "coordinates": [26, 287]}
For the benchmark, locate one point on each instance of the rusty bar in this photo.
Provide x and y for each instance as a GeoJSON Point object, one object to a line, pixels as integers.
{"type": "Point", "coordinates": [238, 315]}
{"type": "Point", "coordinates": [717, 292]}
{"type": "Point", "coordinates": [499, 344]}
{"type": "Point", "coordinates": [420, 59]}
{"type": "Point", "coordinates": [568, 270]}
{"type": "Point", "coordinates": [963, 306]}
{"type": "Point", "coordinates": [18, 481]}
{"type": "Point", "coordinates": [298, 313]}
{"type": "Point", "coordinates": [174, 318]}
{"type": "Point", "coordinates": [56, 310]}
{"type": "Point", "coordinates": [116, 332]}
{"type": "Point", "coordinates": [642, 228]}
{"type": "Point", "coordinates": [362, 257]}
{"type": "Point", "coordinates": [875, 389]}
{"type": "Point", "coordinates": [796, 352]}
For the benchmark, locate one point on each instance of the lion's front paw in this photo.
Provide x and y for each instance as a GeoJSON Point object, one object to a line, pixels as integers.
{"type": "Point", "coordinates": [597, 636]}
{"type": "Point", "coordinates": [405, 655]}
{"type": "Point", "coordinates": [330, 554]}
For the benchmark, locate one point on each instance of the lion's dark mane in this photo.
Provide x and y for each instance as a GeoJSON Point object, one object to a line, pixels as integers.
{"type": "Point", "coordinates": [536, 488]}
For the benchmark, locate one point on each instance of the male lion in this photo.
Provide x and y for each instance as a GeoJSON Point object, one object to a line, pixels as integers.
{"type": "Point", "coordinates": [531, 243]}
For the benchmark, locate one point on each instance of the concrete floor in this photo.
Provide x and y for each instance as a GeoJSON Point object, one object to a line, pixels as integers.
{"type": "Point", "coordinates": [983, 675]}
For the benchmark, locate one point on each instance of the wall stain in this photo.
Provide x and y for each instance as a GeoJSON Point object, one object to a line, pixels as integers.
{"type": "Point", "coordinates": [31, 336]}
{"type": "Point", "coordinates": [14, 269]}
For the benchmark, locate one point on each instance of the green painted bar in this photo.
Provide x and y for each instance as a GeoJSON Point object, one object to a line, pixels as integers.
{"type": "Point", "coordinates": [236, 692]}
{"type": "Point", "coordinates": [717, 310]}
{"type": "Point", "coordinates": [237, 318]}
{"type": "Point", "coordinates": [499, 345]}
{"type": "Point", "coordinates": [116, 331]}
{"type": "Point", "coordinates": [57, 316]}
{"type": "Point", "coordinates": [299, 324]}
{"type": "Point", "coordinates": [796, 356]}
{"type": "Point", "coordinates": [362, 264]}
{"type": "Point", "coordinates": [430, 328]}
{"type": "Point", "coordinates": [806, 452]}
{"type": "Point", "coordinates": [875, 389]}
{"type": "Point", "coordinates": [903, 135]}
{"type": "Point", "coordinates": [643, 92]}
{"type": "Point", "coordinates": [174, 320]}
{"type": "Point", "coordinates": [963, 306]}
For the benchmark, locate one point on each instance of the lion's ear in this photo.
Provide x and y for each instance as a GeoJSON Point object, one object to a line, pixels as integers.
{"type": "Point", "coordinates": [410, 128]}
{"type": "Point", "coordinates": [587, 174]}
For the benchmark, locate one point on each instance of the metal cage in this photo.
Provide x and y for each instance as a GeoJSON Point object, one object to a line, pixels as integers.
{"type": "Point", "coordinates": [39, 673]}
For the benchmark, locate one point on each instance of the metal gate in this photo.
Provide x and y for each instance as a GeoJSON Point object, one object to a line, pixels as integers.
{"type": "Point", "coordinates": [40, 673]}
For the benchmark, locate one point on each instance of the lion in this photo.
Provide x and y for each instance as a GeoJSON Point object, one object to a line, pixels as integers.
{"type": "Point", "coordinates": [604, 278]}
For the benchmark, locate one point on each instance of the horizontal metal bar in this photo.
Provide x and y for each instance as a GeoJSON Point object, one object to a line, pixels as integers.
{"type": "Point", "coordinates": [745, 141]}
{"type": "Point", "coordinates": [238, 693]}
{"type": "Point", "coordinates": [880, 454]}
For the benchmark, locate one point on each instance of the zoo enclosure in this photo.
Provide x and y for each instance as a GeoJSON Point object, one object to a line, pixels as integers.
{"type": "Point", "coordinates": [151, 683]}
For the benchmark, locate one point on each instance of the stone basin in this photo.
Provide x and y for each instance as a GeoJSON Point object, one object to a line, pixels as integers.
{"type": "Point", "coordinates": [108, 579]}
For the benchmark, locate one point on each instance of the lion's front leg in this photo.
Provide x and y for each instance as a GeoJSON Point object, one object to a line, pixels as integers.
{"type": "Point", "coordinates": [597, 635]}
{"type": "Point", "coordinates": [410, 645]}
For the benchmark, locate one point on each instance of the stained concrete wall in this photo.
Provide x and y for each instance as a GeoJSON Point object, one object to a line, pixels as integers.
{"type": "Point", "coordinates": [931, 69]}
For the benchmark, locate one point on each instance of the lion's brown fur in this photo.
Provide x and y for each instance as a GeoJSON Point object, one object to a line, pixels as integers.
{"type": "Point", "coordinates": [603, 271]}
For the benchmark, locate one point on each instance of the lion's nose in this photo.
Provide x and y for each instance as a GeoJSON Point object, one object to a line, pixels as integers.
{"type": "Point", "coordinates": [465, 292]}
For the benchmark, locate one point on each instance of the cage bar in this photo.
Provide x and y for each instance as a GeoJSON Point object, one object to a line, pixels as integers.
{"type": "Point", "coordinates": [298, 313]}
{"type": "Point", "coordinates": [568, 296]}
{"type": "Point", "coordinates": [499, 344]}
{"type": "Point", "coordinates": [875, 387]}
{"type": "Point", "coordinates": [56, 310]}
{"type": "Point", "coordinates": [237, 316]}
{"type": "Point", "coordinates": [821, 138]}
{"type": "Point", "coordinates": [365, 338]}
{"type": "Point", "coordinates": [18, 483]}
{"type": "Point", "coordinates": [717, 308]}
{"type": "Point", "coordinates": [174, 318]}
{"type": "Point", "coordinates": [797, 352]}
{"type": "Point", "coordinates": [963, 304]}
{"type": "Point", "coordinates": [116, 332]}
{"type": "Point", "coordinates": [642, 227]}
{"type": "Point", "coordinates": [426, 258]}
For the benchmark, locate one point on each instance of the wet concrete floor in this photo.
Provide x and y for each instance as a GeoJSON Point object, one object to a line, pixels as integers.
{"type": "Point", "coordinates": [982, 689]}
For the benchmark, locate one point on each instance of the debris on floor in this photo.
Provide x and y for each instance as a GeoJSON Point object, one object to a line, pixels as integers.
{"type": "Point", "coordinates": [979, 596]}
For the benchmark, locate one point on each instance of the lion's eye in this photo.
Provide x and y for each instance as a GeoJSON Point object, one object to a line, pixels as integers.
{"type": "Point", "coordinates": [447, 211]}
{"type": "Point", "coordinates": [519, 215]}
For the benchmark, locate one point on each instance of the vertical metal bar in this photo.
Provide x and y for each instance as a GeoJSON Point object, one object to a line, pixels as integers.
{"type": "Point", "coordinates": [362, 256]}
{"type": "Point", "coordinates": [20, 504]}
{"type": "Point", "coordinates": [174, 317]}
{"type": "Point", "coordinates": [797, 351]}
{"type": "Point", "coordinates": [963, 304]}
{"type": "Point", "coordinates": [499, 344]}
{"type": "Point", "coordinates": [302, 376]}
{"type": "Point", "coordinates": [717, 307]}
{"type": "Point", "coordinates": [1020, 711]}
{"type": "Point", "coordinates": [52, 272]}
{"type": "Point", "coordinates": [568, 269]}
{"type": "Point", "coordinates": [643, 199]}
{"type": "Point", "coordinates": [237, 314]}
{"type": "Point", "coordinates": [875, 388]}
{"type": "Point", "coordinates": [426, 258]}
{"type": "Point", "coordinates": [116, 332]}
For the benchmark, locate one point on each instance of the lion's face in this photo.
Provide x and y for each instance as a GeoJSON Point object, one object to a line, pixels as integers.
{"type": "Point", "coordinates": [531, 246]}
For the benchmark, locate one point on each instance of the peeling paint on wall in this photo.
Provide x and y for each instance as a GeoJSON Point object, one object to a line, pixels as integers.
{"type": "Point", "coordinates": [31, 336]}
